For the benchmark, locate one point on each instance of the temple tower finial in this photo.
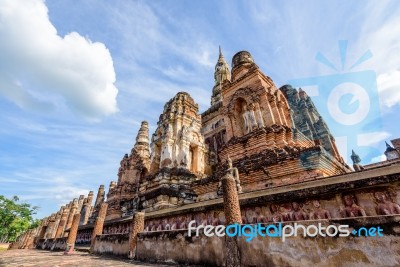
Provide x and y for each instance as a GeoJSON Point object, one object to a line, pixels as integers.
{"type": "Point", "coordinates": [222, 73]}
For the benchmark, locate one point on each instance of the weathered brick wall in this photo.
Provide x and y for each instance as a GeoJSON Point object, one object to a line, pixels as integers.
{"type": "Point", "coordinates": [177, 247]}
{"type": "Point", "coordinates": [323, 198]}
{"type": "Point", "coordinates": [113, 244]}
{"type": "Point", "coordinates": [52, 244]}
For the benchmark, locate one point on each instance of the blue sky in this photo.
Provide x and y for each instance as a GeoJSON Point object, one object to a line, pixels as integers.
{"type": "Point", "coordinates": [78, 77]}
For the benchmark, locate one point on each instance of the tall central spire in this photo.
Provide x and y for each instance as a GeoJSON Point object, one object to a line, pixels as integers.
{"type": "Point", "coordinates": [222, 73]}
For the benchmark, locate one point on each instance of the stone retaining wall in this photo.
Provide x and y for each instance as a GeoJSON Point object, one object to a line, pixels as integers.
{"type": "Point", "coordinates": [113, 244]}
{"type": "Point", "coordinates": [177, 247]}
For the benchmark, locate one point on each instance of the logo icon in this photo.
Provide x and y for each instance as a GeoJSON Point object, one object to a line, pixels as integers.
{"type": "Point", "coordinates": [348, 101]}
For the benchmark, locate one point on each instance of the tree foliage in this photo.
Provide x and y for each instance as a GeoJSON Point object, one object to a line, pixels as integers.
{"type": "Point", "coordinates": [15, 218]}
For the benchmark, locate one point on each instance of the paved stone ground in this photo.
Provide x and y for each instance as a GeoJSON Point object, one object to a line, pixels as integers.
{"type": "Point", "coordinates": [42, 258]}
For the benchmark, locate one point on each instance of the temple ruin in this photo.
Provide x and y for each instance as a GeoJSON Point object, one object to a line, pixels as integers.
{"type": "Point", "coordinates": [258, 154]}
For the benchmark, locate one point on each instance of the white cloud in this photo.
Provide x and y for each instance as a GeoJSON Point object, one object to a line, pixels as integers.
{"type": "Point", "coordinates": [389, 88]}
{"type": "Point", "coordinates": [40, 68]}
{"type": "Point", "coordinates": [378, 159]}
{"type": "Point", "coordinates": [62, 193]}
{"type": "Point", "coordinates": [381, 35]}
{"type": "Point", "coordinates": [372, 139]}
{"type": "Point", "coordinates": [178, 72]}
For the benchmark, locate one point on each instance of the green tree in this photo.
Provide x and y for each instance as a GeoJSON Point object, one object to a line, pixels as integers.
{"type": "Point", "coordinates": [15, 218]}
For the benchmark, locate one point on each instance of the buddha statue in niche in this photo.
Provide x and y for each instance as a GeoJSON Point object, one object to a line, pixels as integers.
{"type": "Point", "coordinates": [385, 206]}
{"type": "Point", "coordinates": [319, 213]}
{"type": "Point", "coordinates": [298, 214]}
{"type": "Point", "coordinates": [351, 209]}
{"type": "Point", "coordinates": [249, 118]}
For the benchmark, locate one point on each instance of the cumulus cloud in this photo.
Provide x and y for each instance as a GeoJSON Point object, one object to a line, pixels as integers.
{"type": "Point", "coordinates": [41, 70]}
{"type": "Point", "coordinates": [381, 36]}
{"type": "Point", "coordinates": [378, 159]}
{"type": "Point", "coordinates": [372, 139]}
{"type": "Point", "coordinates": [389, 85]}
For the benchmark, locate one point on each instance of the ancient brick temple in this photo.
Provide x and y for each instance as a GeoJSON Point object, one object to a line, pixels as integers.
{"type": "Point", "coordinates": [258, 154]}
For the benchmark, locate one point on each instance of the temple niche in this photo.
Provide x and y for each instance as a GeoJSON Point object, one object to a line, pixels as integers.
{"type": "Point", "coordinates": [253, 103]}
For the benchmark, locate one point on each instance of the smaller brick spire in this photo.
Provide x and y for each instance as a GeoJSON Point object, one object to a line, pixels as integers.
{"type": "Point", "coordinates": [142, 146]}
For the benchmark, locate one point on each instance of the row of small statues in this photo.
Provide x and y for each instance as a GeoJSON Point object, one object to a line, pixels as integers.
{"type": "Point", "coordinates": [293, 211]}
{"type": "Point", "coordinates": [83, 236]}
{"type": "Point", "coordinates": [116, 229]}
{"type": "Point", "coordinates": [166, 224]}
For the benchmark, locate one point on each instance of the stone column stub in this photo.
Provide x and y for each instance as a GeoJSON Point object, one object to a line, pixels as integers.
{"type": "Point", "coordinates": [231, 200]}
{"type": "Point", "coordinates": [232, 216]}
{"type": "Point", "coordinates": [136, 227]}
{"type": "Point", "coordinates": [98, 225]}
{"type": "Point", "coordinates": [72, 234]}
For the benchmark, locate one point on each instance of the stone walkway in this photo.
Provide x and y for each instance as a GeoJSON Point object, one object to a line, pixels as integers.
{"type": "Point", "coordinates": [33, 257]}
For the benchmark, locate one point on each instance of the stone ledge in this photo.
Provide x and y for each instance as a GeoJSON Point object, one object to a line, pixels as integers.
{"type": "Point", "coordinates": [322, 186]}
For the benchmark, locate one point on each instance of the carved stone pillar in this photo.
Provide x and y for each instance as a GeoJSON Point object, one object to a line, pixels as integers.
{"type": "Point", "coordinates": [84, 214]}
{"type": "Point", "coordinates": [74, 208]}
{"type": "Point", "coordinates": [50, 227]}
{"type": "Point", "coordinates": [100, 196]}
{"type": "Point", "coordinates": [21, 240]}
{"type": "Point", "coordinates": [42, 228]}
{"type": "Point", "coordinates": [42, 232]}
{"type": "Point", "coordinates": [81, 200]}
{"type": "Point", "coordinates": [72, 234]}
{"type": "Point", "coordinates": [231, 200]}
{"type": "Point", "coordinates": [86, 209]}
{"type": "Point", "coordinates": [98, 225]}
{"type": "Point", "coordinates": [25, 240]}
{"type": "Point", "coordinates": [63, 222]}
{"type": "Point", "coordinates": [57, 222]}
{"type": "Point", "coordinates": [136, 227]}
{"type": "Point", "coordinates": [29, 240]}
{"type": "Point", "coordinates": [232, 216]}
